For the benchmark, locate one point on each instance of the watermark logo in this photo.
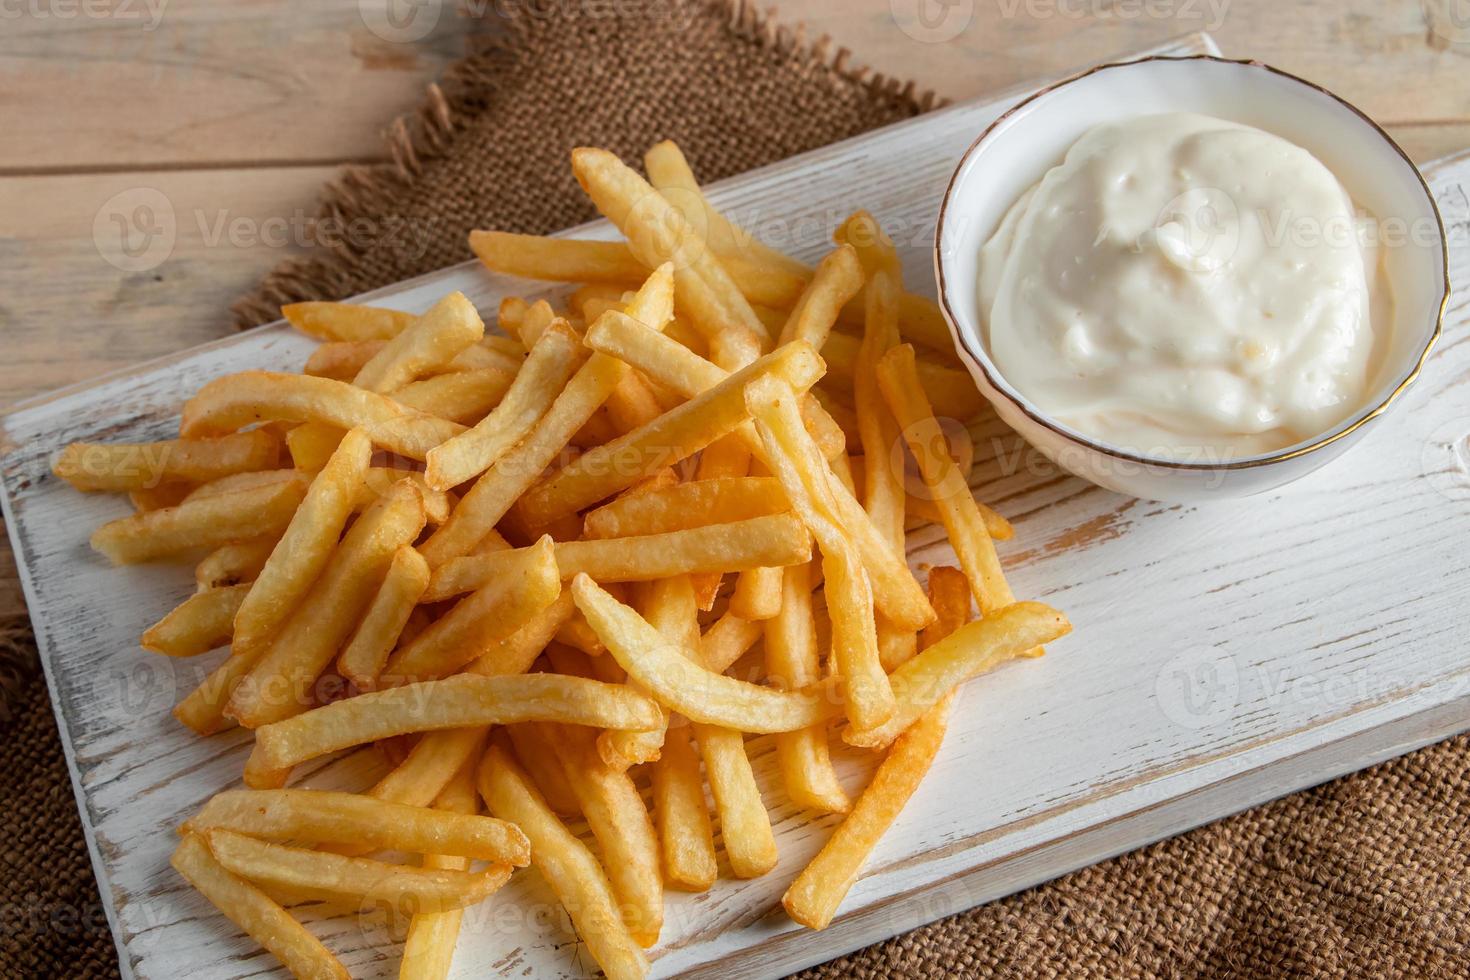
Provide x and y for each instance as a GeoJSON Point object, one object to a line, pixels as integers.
{"type": "Point", "coordinates": [135, 230]}
{"type": "Point", "coordinates": [141, 688]}
{"type": "Point", "coordinates": [1448, 19]}
{"type": "Point", "coordinates": [1445, 459]}
{"type": "Point", "coordinates": [932, 21]}
{"type": "Point", "coordinates": [1198, 687]}
{"type": "Point", "coordinates": [1198, 230]}
{"type": "Point", "coordinates": [400, 21]}
{"type": "Point", "coordinates": [148, 13]}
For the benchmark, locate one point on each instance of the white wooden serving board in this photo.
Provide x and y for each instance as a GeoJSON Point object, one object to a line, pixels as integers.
{"type": "Point", "coordinates": [1224, 654]}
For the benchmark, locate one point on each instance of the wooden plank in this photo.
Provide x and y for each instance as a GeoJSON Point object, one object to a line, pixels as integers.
{"type": "Point", "coordinates": [1323, 668]}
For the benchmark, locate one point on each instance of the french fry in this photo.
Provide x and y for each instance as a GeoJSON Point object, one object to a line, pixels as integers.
{"type": "Point", "coordinates": [686, 839]}
{"type": "Point", "coordinates": [777, 539]}
{"type": "Point", "coordinates": [556, 259]}
{"type": "Point", "coordinates": [952, 389]}
{"type": "Point", "coordinates": [624, 831]}
{"type": "Point", "coordinates": [465, 397]}
{"type": "Point", "coordinates": [669, 606]}
{"type": "Point", "coordinates": [838, 278]}
{"type": "Point", "coordinates": [495, 610]}
{"type": "Point", "coordinates": [498, 488]}
{"type": "Point", "coordinates": [745, 826]}
{"type": "Point", "coordinates": [236, 400]}
{"type": "Point", "coordinates": [432, 340]}
{"type": "Point", "coordinates": [145, 499]}
{"type": "Point", "coordinates": [536, 756]}
{"type": "Point", "coordinates": [462, 701]}
{"type": "Point", "coordinates": [949, 594]}
{"type": "Point", "coordinates": [603, 471]}
{"type": "Point", "coordinates": [323, 817]}
{"type": "Point", "coordinates": [726, 457]}
{"type": "Point", "coordinates": [757, 594]}
{"type": "Point", "coordinates": [236, 563]}
{"type": "Point", "coordinates": [91, 466]}
{"type": "Point", "coordinates": [792, 661]}
{"type": "Point", "coordinates": [240, 482]}
{"type": "Point", "coordinates": [254, 912]}
{"type": "Point", "coordinates": [578, 881]}
{"type": "Point", "coordinates": [205, 523]}
{"type": "Point", "coordinates": [922, 510]}
{"type": "Point", "coordinates": [727, 640]}
{"type": "Point", "coordinates": [515, 653]}
{"type": "Point", "coordinates": [682, 685]}
{"type": "Point", "coordinates": [303, 550]}
{"type": "Point", "coordinates": [379, 481]}
{"type": "Point", "coordinates": [342, 360]}
{"type": "Point", "coordinates": [980, 646]}
{"type": "Point", "coordinates": [951, 494]}
{"type": "Point", "coordinates": [430, 766]}
{"type": "Point", "coordinates": [546, 371]}
{"type": "Point", "coordinates": [200, 623]}
{"type": "Point", "coordinates": [869, 698]}
{"type": "Point", "coordinates": [428, 949]}
{"type": "Point", "coordinates": [883, 491]}
{"type": "Point", "coordinates": [311, 444]}
{"type": "Point", "coordinates": [279, 683]}
{"type": "Point", "coordinates": [346, 321]}
{"type": "Point", "coordinates": [373, 640]}
{"type": "Point", "coordinates": [322, 874]}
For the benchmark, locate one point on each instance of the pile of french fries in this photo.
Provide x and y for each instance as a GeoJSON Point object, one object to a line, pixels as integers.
{"type": "Point", "coordinates": [521, 566]}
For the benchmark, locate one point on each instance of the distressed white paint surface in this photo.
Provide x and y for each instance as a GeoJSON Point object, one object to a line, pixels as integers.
{"type": "Point", "coordinates": [1325, 622]}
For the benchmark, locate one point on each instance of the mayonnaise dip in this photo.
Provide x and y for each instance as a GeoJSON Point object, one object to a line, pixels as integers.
{"type": "Point", "coordinates": [1185, 287]}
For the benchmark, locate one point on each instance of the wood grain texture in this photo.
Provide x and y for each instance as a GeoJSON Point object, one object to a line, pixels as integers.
{"type": "Point", "coordinates": [1223, 654]}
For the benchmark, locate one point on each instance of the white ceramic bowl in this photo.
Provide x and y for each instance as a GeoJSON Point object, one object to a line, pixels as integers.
{"type": "Point", "coordinates": [1031, 138]}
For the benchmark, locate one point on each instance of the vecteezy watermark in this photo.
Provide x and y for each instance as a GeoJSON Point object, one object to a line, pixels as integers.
{"type": "Point", "coordinates": [1448, 19]}
{"type": "Point", "coordinates": [135, 230]}
{"type": "Point", "coordinates": [1445, 459]}
{"type": "Point", "coordinates": [1198, 687]}
{"type": "Point", "coordinates": [932, 21]}
{"type": "Point", "coordinates": [149, 13]}
{"type": "Point", "coordinates": [400, 21]}
{"type": "Point", "coordinates": [1209, 14]}
{"type": "Point", "coordinates": [1198, 230]}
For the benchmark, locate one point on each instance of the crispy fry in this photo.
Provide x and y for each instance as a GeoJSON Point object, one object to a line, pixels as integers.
{"type": "Point", "coordinates": [343, 359]}
{"type": "Point", "coordinates": [603, 471]}
{"type": "Point", "coordinates": [516, 653]}
{"type": "Point", "coordinates": [432, 340]}
{"type": "Point", "coordinates": [949, 594]}
{"type": "Point", "coordinates": [745, 826]}
{"type": "Point", "coordinates": [322, 874]}
{"type": "Point", "coordinates": [727, 640]}
{"type": "Point", "coordinates": [838, 279]}
{"type": "Point", "coordinates": [952, 389]}
{"type": "Point", "coordinates": [428, 949]}
{"type": "Point", "coordinates": [254, 912]}
{"type": "Point", "coordinates": [849, 596]}
{"type": "Point", "coordinates": [379, 481]}
{"type": "Point", "coordinates": [322, 817]}
{"type": "Point", "coordinates": [499, 487]}
{"type": "Point", "coordinates": [669, 607]}
{"type": "Point", "coordinates": [778, 539]}
{"type": "Point", "coordinates": [430, 766]}
{"type": "Point", "coordinates": [556, 259]}
{"type": "Point", "coordinates": [142, 466]}
{"type": "Point", "coordinates": [205, 523]}
{"type": "Point", "coordinates": [287, 666]}
{"type": "Point", "coordinates": [145, 499]}
{"type": "Point", "coordinates": [883, 492]}
{"type": "Point", "coordinates": [346, 321]}
{"type": "Point", "coordinates": [200, 623]}
{"type": "Point", "coordinates": [568, 866]}
{"type": "Point", "coordinates": [311, 444]}
{"type": "Point", "coordinates": [528, 583]}
{"type": "Point", "coordinates": [682, 685]}
{"type": "Point", "coordinates": [968, 652]}
{"type": "Point", "coordinates": [620, 822]}
{"type": "Point", "coordinates": [757, 594]}
{"type": "Point", "coordinates": [461, 701]}
{"type": "Point", "coordinates": [465, 397]}
{"type": "Point", "coordinates": [553, 359]}
{"type": "Point", "coordinates": [537, 757]}
{"type": "Point", "coordinates": [686, 838]}
{"type": "Point", "coordinates": [792, 661]}
{"type": "Point", "coordinates": [373, 640]}
{"type": "Point", "coordinates": [303, 550]}
{"type": "Point", "coordinates": [236, 563]}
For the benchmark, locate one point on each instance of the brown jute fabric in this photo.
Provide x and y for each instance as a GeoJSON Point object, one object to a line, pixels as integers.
{"type": "Point", "coordinates": [1363, 877]}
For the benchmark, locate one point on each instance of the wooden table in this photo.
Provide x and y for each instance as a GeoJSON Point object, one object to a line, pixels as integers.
{"type": "Point", "coordinates": [235, 114]}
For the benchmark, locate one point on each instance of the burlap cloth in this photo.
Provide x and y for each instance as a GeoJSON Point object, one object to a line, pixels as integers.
{"type": "Point", "coordinates": [1365, 876]}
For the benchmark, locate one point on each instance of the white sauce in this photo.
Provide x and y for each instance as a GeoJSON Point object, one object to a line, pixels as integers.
{"type": "Point", "coordinates": [1185, 287]}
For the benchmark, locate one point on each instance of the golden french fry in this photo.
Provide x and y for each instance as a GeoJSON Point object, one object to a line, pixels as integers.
{"type": "Point", "coordinates": [515, 653]}
{"type": "Point", "coordinates": [379, 481]}
{"type": "Point", "coordinates": [529, 582]}
{"type": "Point", "coordinates": [949, 594]}
{"type": "Point", "coordinates": [977, 647]}
{"type": "Point", "coordinates": [669, 607]}
{"type": "Point", "coordinates": [874, 248]}
{"type": "Point", "coordinates": [603, 471]}
{"type": "Point", "coordinates": [952, 389]}
{"type": "Point", "coordinates": [428, 949]}
{"type": "Point", "coordinates": [536, 756]}
{"type": "Point", "coordinates": [322, 874]}
{"type": "Point", "coordinates": [322, 817]}
{"type": "Point", "coordinates": [288, 663]}
{"type": "Point", "coordinates": [465, 397]}
{"type": "Point", "coordinates": [776, 540]}
{"type": "Point", "coordinates": [727, 457]}
{"type": "Point", "coordinates": [556, 259]}
{"type": "Point", "coordinates": [745, 826]}
{"type": "Point", "coordinates": [727, 640]}
{"type": "Point", "coordinates": [200, 623]}
{"type": "Point", "coordinates": [680, 684]}
{"type": "Point", "coordinates": [342, 360]}
{"type": "Point", "coordinates": [236, 563]}
{"type": "Point", "coordinates": [757, 594]}
{"type": "Point", "coordinates": [686, 838]}
{"type": "Point", "coordinates": [254, 912]}
{"type": "Point", "coordinates": [346, 321]}
{"type": "Point", "coordinates": [236, 400]}
{"type": "Point", "coordinates": [303, 550]}
{"type": "Point", "coordinates": [883, 492]}
{"type": "Point", "coordinates": [241, 482]}
{"type": "Point", "coordinates": [922, 510]}
{"type": "Point", "coordinates": [615, 812]}
{"type": "Point", "coordinates": [688, 505]}
{"type": "Point", "coordinates": [431, 765]}
{"type": "Point", "coordinates": [204, 523]}
{"type": "Point", "coordinates": [556, 354]}
{"type": "Point", "coordinates": [94, 466]}
{"type": "Point", "coordinates": [461, 701]}
{"type": "Point", "coordinates": [311, 444]}
{"type": "Point", "coordinates": [155, 498]}
{"type": "Point", "coordinates": [574, 875]}
{"type": "Point", "coordinates": [838, 279]}
{"type": "Point", "coordinates": [432, 340]}
{"type": "Point", "coordinates": [793, 459]}
{"type": "Point", "coordinates": [962, 519]}
{"type": "Point", "coordinates": [792, 661]}
{"type": "Point", "coordinates": [498, 488]}
{"type": "Point", "coordinates": [373, 640]}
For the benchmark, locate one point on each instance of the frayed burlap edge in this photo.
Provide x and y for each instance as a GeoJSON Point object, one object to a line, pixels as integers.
{"type": "Point", "coordinates": [426, 133]}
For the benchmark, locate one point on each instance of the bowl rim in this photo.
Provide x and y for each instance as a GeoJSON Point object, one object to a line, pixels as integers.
{"type": "Point", "coordinates": [994, 377]}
